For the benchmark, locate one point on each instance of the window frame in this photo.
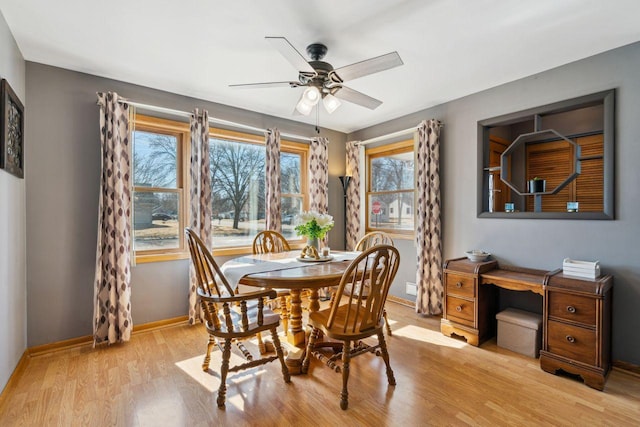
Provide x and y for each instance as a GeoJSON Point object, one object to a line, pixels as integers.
{"type": "Point", "coordinates": [181, 131]}
{"type": "Point", "coordinates": [400, 147]}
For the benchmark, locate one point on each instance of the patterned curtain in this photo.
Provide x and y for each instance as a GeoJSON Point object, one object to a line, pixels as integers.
{"type": "Point", "coordinates": [112, 296]}
{"type": "Point", "coordinates": [428, 227]}
{"type": "Point", "coordinates": [199, 198]}
{"type": "Point", "coordinates": [319, 176]}
{"type": "Point", "coordinates": [272, 182]}
{"type": "Point", "coordinates": [353, 194]}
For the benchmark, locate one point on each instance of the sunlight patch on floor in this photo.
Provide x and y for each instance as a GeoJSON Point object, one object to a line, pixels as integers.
{"type": "Point", "coordinates": [427, 335]}
{"type": "Point", "coordinates": [210, 380]}
{"type": "Point", "coordinates": [154, 412]}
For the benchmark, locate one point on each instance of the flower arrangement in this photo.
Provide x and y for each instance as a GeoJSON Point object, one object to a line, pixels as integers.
{"type": "Point", "coordinates": [313, 225]}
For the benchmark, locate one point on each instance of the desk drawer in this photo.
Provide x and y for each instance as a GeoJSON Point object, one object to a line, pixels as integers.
{"type": "Point", "coordinates": [572, 342]}
{"type": "Point", "coordinates": [460, 310]}
{"type": "Point", "coordinates": [460, 285]}
{"type": "Point", "coordinates": [575, 308]}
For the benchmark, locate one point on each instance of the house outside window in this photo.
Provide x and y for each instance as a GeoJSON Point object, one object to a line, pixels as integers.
{"type": "Point", "coordinates": [390, 188]}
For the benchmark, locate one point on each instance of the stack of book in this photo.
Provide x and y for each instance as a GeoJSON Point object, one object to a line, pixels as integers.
{"type": "Point", "coordinates": [587, 269]}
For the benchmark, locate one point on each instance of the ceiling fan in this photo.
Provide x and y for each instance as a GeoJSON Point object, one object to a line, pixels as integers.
{"type": "Point", "coordinates": [324, 82]}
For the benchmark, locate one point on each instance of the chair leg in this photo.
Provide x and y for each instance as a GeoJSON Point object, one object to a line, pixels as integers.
{"type": "Point", "coordinates": [312, 342]}
{"type": "Point", "coordinates": [280, 353]}
{"type": "Point", "coordinates": [207, 357]}
{"type": "Point", "coordinates": [284, 314]}
{"type": "Point", "coordinates": [224, 370]}
{"type": "Point", "coordinates": [386, 322]}
{"type": "Point", "coordinates": [262, 348]}
{"type": "Point", "coordinates": [385, 356]}
{"type": "Point", "coordinates": [346, 358]}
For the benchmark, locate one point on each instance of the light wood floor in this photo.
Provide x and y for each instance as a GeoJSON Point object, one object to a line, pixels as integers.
{"type": "Point", "coordinates": [156, 380]}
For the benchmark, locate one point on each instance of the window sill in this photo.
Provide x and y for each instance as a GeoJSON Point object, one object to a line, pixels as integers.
{"type": "Point", "coordinates": [407, 236]}
{"type": "Point", "coordinates": [402, 235]}
{"type": "Point", "coordinates": [144, 259]}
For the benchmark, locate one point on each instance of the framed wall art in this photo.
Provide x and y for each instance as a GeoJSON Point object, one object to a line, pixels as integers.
{"type": "Point", "coordinates": [11, 131]}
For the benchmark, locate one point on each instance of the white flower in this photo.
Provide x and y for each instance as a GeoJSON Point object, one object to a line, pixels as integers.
{"type": "Point", "coordinates": [304, 217]}
{"type": "Point", "coordinates": [324, 220]}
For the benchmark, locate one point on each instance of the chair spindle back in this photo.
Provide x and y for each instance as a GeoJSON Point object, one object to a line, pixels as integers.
{"type": "Point", "coordinates": [372, 239]}
{"type": "Point", "coordinates": [269, 241]}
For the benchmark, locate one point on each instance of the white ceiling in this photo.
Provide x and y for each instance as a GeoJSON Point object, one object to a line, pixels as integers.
{"type": "Point", "coordinates": [450, 48]}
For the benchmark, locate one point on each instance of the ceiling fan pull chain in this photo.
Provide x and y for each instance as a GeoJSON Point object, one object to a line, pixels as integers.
{"type": "Point", "coordinates": [318, 120]}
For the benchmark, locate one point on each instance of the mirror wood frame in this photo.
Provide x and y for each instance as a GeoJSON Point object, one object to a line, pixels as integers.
{"type": "Point", "coordinates": [607, 99]}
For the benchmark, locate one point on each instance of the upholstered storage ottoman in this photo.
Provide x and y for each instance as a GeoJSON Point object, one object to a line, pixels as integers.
{"type": "Point", "coordinates": [519, 331]}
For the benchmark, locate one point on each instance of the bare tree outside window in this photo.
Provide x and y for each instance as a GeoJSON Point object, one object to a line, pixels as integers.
{"type": "Point", "coordinates": [154, 160]}
{"type": "Point", "coordinates": [238, 189]}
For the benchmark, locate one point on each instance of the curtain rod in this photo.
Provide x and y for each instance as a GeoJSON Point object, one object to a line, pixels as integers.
{"type": "Point", "coordinates": [211, 119]}
{"type": "Point", "coordinates": [388, 136]}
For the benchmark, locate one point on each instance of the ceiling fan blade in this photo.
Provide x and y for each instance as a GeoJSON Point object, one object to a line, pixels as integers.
{"type": "Point", "coordinates": [264, 85]}
{"type": "Point", "coordinates": [291, 54]}
{"type": "Point", "coordinates": [368, 66]}
{"type": "Point", "coordinates": [356, 97]}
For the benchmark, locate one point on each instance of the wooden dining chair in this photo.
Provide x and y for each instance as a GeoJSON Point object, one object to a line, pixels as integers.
{"type": "Point", "coordinates": [231, 318]}
{"type": "Point", "coordinates": [357, 317]}
{"type": "Point", "coordinates": [269, 241]}
{"type": "Point", "coordinates": [367, 241]}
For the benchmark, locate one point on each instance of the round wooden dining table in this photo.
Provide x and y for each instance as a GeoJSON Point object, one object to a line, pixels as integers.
{"type": "Point", "coordinates": [309, 276]}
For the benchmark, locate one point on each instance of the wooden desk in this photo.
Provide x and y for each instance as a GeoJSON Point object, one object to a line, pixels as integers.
{"type": "Point", "coordinates": [576, 313]}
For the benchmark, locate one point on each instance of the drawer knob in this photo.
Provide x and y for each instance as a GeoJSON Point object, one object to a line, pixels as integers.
{"type": "Point", "coordinates": [459, 308]}
{"type": "Point", "coordinates": [571, 339]}
{"type": "Point", "coordinates": [458, 285]}
{"type": "Point", "coordinates": [571, 309]}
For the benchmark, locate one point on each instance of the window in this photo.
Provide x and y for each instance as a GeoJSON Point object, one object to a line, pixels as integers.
{"type": "Point", "coordinates": [238, 187]}
{"type": "Point", "coordinates": [237, 160]}
{"type": "Point", "coordinates": [390, 188]}
{"type": "Point", "coordinates": [158, 187]}
{"type": "Point", "coordinates": [293, 185]}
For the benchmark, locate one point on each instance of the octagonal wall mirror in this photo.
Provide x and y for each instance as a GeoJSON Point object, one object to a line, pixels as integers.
{"type": "Point", "coordinates": [554, 161]}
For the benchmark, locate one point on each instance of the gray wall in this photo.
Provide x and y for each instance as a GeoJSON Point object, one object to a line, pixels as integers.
{"type": "Point", "coordinates": [544, 243]}
{"type": "Point", "coordinates": [62, 201]}
{"type": "Point", "coordinates": [13, 290]}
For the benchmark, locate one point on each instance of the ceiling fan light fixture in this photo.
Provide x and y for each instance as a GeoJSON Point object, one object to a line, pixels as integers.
{"type": "Point", "coordinates": [331, 103]}
{"type": "Point", "coordinates": [304, 107]}
{"type": "Point", "coordinates": [311, 95]}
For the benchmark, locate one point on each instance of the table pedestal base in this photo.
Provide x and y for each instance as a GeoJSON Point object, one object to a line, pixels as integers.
{"type": "Point", "coordinates": [297, 336]}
